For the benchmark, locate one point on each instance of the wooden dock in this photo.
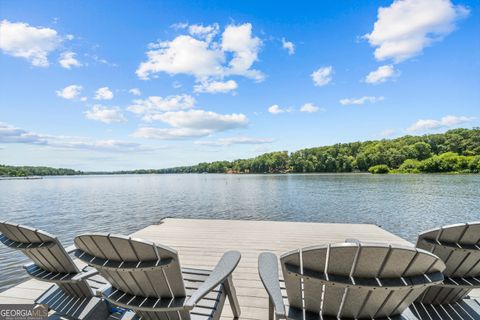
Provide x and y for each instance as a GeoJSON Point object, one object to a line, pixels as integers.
{"type": "Point", "coordinates": [201, 243]}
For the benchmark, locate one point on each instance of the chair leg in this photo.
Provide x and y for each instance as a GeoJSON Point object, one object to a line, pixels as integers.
{"type": "Point", "coordinates": [232, 297]}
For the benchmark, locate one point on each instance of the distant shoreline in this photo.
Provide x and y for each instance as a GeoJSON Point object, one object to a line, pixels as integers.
{"type": "Point", "coordinates": [21, 178]}
{"type": "Point", "coordinates": [87, 174]}
{"type": "Point", "coordinates": [453, 152]}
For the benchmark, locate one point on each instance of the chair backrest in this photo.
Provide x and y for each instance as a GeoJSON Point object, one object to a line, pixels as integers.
{"type": "Point", "coordinates": [136, 267]}
{"type": "Point", "coordinates": [458, 246]}
{"type": "Point", "coordinates": [358, 280]}
{"type": "Point", "coordinates": [46, 251]}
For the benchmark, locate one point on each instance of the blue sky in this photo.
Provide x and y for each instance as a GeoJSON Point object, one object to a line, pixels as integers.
{"type": "Point", "coordinates": [217, 80]}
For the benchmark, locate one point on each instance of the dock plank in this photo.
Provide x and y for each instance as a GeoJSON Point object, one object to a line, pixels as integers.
{"type": "Point", "coordinates": [201, 243]}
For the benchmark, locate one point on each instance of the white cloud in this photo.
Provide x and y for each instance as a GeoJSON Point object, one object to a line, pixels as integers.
{"type": "Point", "coordinates": [445, 122]}
{"type": "Point", "coordinates": [67, 60]}
{"type": "Point", "coordinates": [197, 54]}
{"type": "Point", "coordinates": [70, 92]}
{"type": "Point", "coordinates": [192, 123]}
{"type": "Point", "coordinates": [234, 140]}
{"type": "Point", "coordinates": [200, 119]}
{"type": "Point", "coordinates": [169, 133]}
{"type": "Point", "coordinates": [179, 25]}
{"type": "Point", "coordinates": [309, 108]}
{"type": "Point", "coordinates": [204, 32]}
{"type": "Point", "coordinates": [362, 100]}
{"type": "Point", "coordinates": [184, 54]}
{"type": "Point", "coordinates": [238, 39]}
{"type": "Point", "coordinates": [135, 91]}
{"type": "Point", "coordinates": [215, 86]}
{"type": "Point", "coordinates": [21, 40]}
{"type": "Point", "coordinates": [382, 74]}
{"type": "Point", "coordinates": [406, 27]}
{"type": "Point", "coordinates": [105, 114]}
{"type": "Point", "coordinates": [155, 105]}
{"type": "Point", "coordinates": [276, 109]}
{"type": "Point", "coordinates": [103, 93]}
{"type": "Point", "coordinates": [322, 76]}
{"type": "Point", "coordinates": [289, 46]}
{"type": "Point", "coordinates": [12, 134]}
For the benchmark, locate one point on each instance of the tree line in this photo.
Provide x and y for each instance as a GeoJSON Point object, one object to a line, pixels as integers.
{"type": "Point", "coordinates": [456, 150]}
{"type": "Point", "coordinates": [26, 171]}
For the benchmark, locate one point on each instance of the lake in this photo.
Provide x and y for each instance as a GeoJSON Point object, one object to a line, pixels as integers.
{"type": "Point", "coordinates": [68, 206]}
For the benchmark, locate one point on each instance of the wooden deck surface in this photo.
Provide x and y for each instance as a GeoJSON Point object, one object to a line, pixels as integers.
{"type": "Point", "coordinates": [201, 243]}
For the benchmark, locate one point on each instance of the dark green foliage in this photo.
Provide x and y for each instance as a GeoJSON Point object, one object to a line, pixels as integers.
{"type": "Point", "coordinates": [447, 162]}
{"type": "Point", "coordinates": [379, 168]}
{"type": "Point", "coordinates": [409, 154]}
{"type": "Point", "coordinates": [14, 171]}
{"type": "Point", "coordinates": [410, 166]}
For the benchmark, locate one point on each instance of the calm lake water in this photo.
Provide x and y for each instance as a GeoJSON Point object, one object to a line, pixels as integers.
{"type": "Point", "coordinates": [67, 206]}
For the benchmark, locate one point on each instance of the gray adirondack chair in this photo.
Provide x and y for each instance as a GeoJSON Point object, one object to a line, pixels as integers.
{"type": "Point", "coordinates": [348, 281]}
{"type": "Point", "coordinates": [147, 278]}
{"type": "Point", "coordinates": [459, 247]}
{"type": "Point", "coordinates": [70, 295]}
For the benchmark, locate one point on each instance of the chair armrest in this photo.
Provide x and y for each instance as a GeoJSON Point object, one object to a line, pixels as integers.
{"type": "Point", "coordinates": [85, 275]}
{"type": "Point", "coordinates": [220, 273]}
{"type": "Point", "coordinates": [28, 265]}
{"type": "Point", "coordinates": [268, 271]}
{"type": "Point", "coordinates": [98, 292]}
{"type": "Point", "coordinates": [70, 249]}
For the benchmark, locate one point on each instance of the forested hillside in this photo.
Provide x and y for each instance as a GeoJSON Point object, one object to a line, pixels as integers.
{"type": "Point", "coordinates": [453, 151]}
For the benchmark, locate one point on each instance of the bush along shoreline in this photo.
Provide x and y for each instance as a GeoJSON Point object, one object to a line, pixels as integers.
{"type": "Point", "coordinates": [455, 151]}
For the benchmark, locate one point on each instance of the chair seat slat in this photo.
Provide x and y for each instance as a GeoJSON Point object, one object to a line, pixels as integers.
{"type": "Point", "coordinates": [25, 245]}
{"type": "Point", "coordinates": [346, 282]}
{"type": "Point", "coordinates": [452, 245]}
{"type": "Point", "coordinates": [100, 263]}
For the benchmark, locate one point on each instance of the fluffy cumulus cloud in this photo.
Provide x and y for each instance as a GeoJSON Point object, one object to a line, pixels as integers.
{"type": "Point", "coordinates": [70, 92]}
{"type": "Point", "coordinates": [67, 60]}
{"type": "Point", "coordinates": [289, 46]}
{"type": "Point", "coordinates": [205, 54]}
{"type": "Point", "coordinates": [184, 121]}
{"type": "Point", "coordinates": [276, 109]}
{"type": "Point", "coordinates": [204, 32]}
{"type": "Point", "coordinates": [34, 44]}
{"type": "Point", "coordinates": [215, 86]}
{"type": "Point", "coordinates": [105, 114]}
{"type": "Point", "coordinates": [362, 100]}
{"type": "Point", "coordinates": [12, 134]}
{"type": "Point", "coordinates": [381, 74]}
{"type": "Point", "coordinates": [445, 122]}
{"type": "Point", "coordinates": [135, 92]}
{"type": "Point", "coordinates": [191, 123]}
{"type": "Point", "coordinates": [234, 140]}
{"type": "Point", "coordinates": [103, 93]}
{"type": "Point", "coordinates": [322, 76]}
{"type": "Point", "coordinates": [155, 105]}
{"type": "Point", "coordinates": [309, 108]}
{"type": "Point", "coordinates": [406, 27]}
{"type": "Point", "coordinates": [238, 40]}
